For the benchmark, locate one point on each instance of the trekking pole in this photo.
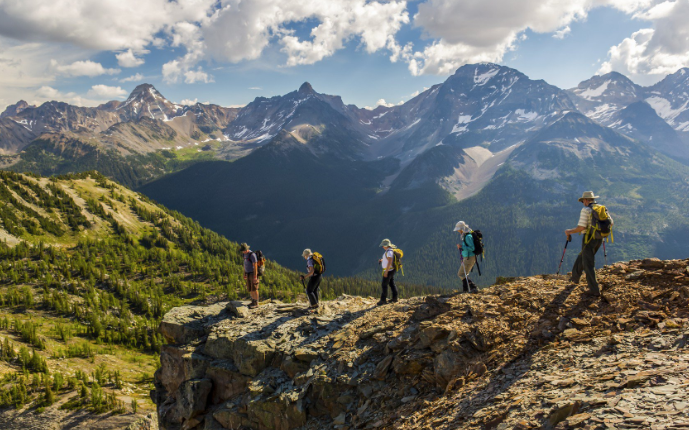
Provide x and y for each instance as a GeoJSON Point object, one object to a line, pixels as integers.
{"type": "Point", "coordinates": [605, 254]}
{"type": "Point", "coordinates": [466, 275]}
{"type": "Point", "coordinates": [569, 239]}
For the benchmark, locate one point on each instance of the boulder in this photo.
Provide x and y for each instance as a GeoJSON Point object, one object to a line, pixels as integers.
{"type": "Point", "coordinates": [183, 324]}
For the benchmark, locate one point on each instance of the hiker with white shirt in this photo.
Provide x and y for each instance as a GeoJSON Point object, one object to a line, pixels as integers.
{"type": "Point", "coordinates": [596, 224]}
{"type": "Point", "coordinates": [388, 262]}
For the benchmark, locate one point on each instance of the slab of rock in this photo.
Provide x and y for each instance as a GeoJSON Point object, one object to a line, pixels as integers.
{"type": "Point", "coordinates": [528, 353]}
{"type": "Point", "coordinates": [183, 324]}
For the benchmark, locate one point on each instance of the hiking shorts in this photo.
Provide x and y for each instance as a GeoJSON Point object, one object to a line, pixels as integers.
{"type": "Point", "coordinates": [251, 282]}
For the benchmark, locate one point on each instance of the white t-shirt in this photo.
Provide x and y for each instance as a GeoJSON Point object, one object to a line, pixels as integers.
{"type": "Point", "coordinates": [387, 254]}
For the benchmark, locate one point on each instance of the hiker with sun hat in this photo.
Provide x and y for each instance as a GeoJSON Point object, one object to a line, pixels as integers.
{"type": "Point", "coordinates": [590, 243]}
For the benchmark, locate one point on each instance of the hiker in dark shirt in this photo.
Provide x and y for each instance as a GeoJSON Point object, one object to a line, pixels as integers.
{"type": "Point", "coordinates": [250, 273]}
{"type": "Point", "coordinates": [314, 276]}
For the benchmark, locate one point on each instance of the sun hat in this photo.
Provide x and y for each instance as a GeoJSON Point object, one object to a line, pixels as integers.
{"type": "Point", "coordinates": [588, 195]}
{"type": "Point", "coordinates": [307, 252]}
{"type": "Point", "coordinates": [462, 226]}
{"type": "Point", "coordinates": [243, 247]}
{"type": "Point", "coordinates": [386, 242]}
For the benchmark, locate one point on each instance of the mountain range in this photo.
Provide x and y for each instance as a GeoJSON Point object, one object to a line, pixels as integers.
{"type": "Point", "coordinates": [506, 153]}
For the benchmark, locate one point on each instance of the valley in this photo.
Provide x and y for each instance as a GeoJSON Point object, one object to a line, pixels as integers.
{"type": "Point", "coordinates": [87, 270]}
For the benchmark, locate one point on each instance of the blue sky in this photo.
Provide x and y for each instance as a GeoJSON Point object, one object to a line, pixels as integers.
{"type": "Point", "coordinates": [194, 53]}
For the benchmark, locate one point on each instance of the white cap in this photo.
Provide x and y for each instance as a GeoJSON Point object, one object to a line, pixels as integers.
{"type": "Point", "coordinates": [462, 226]}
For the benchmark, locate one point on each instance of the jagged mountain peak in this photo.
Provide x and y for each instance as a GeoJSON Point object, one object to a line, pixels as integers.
{"type": "Point", "coordinates": [306, 88]}
{"type": "Point", "coordinates": [15, 109]}
{"type": "Point", "coordinates": [146, 91]}
{"type": "Point", "coordinates": [611, 87]}
{"type": "Point", "coordinates": [483, 72]}
{"type": "Point", "coordinates": [146, 100]}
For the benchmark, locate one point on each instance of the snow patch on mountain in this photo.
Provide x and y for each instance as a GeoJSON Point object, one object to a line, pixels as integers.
{"type": "Point", "coordinates": [664, 109]}
{"type": "Point", "coordinates": [525, 116]}
{"type": "Point", "coordinates": [483, 78]}
{"type": "Point", "coordinates": [591, 93]}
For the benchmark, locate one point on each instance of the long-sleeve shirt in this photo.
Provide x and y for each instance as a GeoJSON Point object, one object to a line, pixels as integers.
{"type": "Point", "coordinates": [468, 245]}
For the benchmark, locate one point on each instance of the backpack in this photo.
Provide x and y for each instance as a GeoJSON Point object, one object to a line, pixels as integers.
{"type": "Point", "coordinates": [397, 255]}
{"type": "Point", "coordinates": [318, 263]}
{"type": "Point", "coordinates": [261, 263]}
{"type": "Point", "coordinates": [478, 242]}
{"type": "Point", "coordinates": [601, 223]}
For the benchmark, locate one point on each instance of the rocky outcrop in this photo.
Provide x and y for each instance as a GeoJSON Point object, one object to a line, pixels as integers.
{"type": "Point", "coordinates": [525, 353]}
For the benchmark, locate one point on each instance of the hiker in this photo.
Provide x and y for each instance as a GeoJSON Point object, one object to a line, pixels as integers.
{"type": "Point", "coordinates": [250, 273]}
{"type": "Point", "coordinates": [314, 275]}
{"type": "Point", "coordinates": [467, 250]}
{"type": "Point", "coordinates": [388, 263]}
{"type": "Point", "coordinates": [590, 243]}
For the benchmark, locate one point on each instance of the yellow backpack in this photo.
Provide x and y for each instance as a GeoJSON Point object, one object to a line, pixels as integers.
{"type": "Point", "coordinates": [600, 223]}
{"type": "Point", "coordinates": [318, 263]}
{"type": "Point", "coordinates": [397, 260]}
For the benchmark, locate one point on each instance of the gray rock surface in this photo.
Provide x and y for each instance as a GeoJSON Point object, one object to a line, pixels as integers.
{"type": "Point", "coordinates": [531, 353]}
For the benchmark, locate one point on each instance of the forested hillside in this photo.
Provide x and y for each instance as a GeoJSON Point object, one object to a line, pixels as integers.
{"type": "Point", "coordinates": [87, 270]}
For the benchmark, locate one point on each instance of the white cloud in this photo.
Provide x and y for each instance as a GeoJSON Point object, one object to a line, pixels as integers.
{"type": "Point", "coordinates": [255, 88]}
{"type": "Point", "coordinates": [189, 102]}
{"type": "Point", "coordinates": [128, 59]}
{"type": "Point", "coordinates": [472, 31]}
{"type": "Point", "coordinates": [382, 102]}
{"type": "Point", "coordinates": [194, 76]}
{"type": "Point", "coordinates": [241, 30]}
{"type": "Point", "coordinates": [133, 78]}
{"type": "Point", "coordinates": [81, 68]}
{"type": "Point", "coordinates": [100, 25]}
{"type": "Point", "coordinates": [47, 93]}
{"type": "Point", "coordinates": [106, 92]}
{"type": "Point", "coordinates": [561, 33]}
{"type": "Point", "coordinates": [651, 53]}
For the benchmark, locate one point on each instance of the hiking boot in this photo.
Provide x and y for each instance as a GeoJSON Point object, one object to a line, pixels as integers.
{"type": "Point", "coordinates": [465, 286]}
{"type": "Point", "coordinates": [394, 300]}
{"type": "Point", "coordinates": [253, 304]}
{"type": "Point", "coordinates": [381, 303]}
{"type": "Point", "coordinates": [589, 293]}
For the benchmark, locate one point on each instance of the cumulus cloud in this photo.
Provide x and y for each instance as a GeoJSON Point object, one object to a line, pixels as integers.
{"type": "Point", "coordinates": [240, 31]}
{"type": "Point", "coordinates": [561, 33]}
{"type": "Point", "coordinates": [194, 76]}
{"type": "Point", "coordinates": [651, 53]}
{"type": "Point", "coordinates": [128, 59]}
{"type": "Point", "coordinates": [47, 93]}
{"type": "Point", "coordinates": [82, 68]}
{"type": "Point", "coordinates": [475, 31]}
{"type": "Point", "coordinates": [382, 102]}
{"type": "Point", "coordinates": [101, 25]}
{"type": "Point", "coordinates": [189, 102]}
{"type": "Point", "coordinates": [105, 91]}
{"type": "Point", "coordinates": [133, 78]}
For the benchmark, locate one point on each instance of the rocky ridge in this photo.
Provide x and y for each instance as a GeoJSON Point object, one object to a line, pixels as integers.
{"type": "Point", "coordinates": [525, 353]}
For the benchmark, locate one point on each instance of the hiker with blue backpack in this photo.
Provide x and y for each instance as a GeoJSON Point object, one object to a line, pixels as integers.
{"type": "Point", "coordinates": [468, 252]}
{"type": "Point", "coordinates": [596, 224]}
